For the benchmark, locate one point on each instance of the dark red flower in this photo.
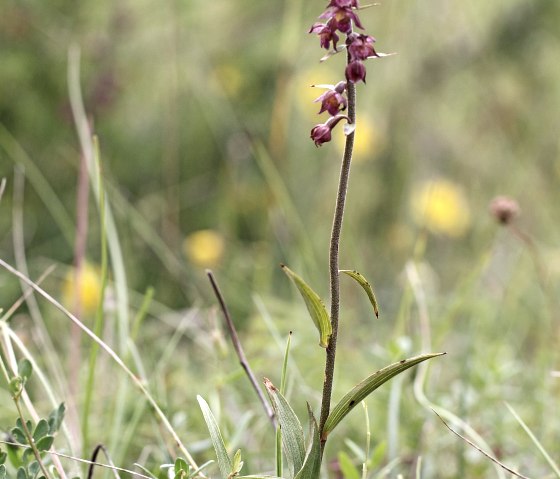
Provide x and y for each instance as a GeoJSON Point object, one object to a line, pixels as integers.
{"type": "Point", "coordinates": [341, 18]}
{"type": "Point", "coordinates": [356, 71]}
{"type": "Point", "coordinates": [332, 101]}
{"type": "Point", "coordinates": [360, 46]}
{"type": "Point", "coordinates": [327, 33]}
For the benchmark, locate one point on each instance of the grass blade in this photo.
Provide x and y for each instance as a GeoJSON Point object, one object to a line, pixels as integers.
{"type": "Point", "coordinates": [314, 305]}
{"type": "Point", "coordinates": [292, 432]}
{"type": "Point", "coordinates": [536, 442]}
{"type": "Point", "coordinates": [363, 282]}
{"type": "Point", "coordinates": [224, 462]}
{"type": "Point", "coordinates": [367, 386]}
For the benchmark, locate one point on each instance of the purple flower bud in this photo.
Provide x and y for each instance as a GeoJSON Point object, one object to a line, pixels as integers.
{"type": "Point", "coordinates": [356, 71]}
{"type": "Point", "coordinates": [322, 133]}
{"type": "Point", "coordinates": [332, 101]}
{"type": "Point", "coordinates": [327, 33]}
{"type": "Point", "coordinates": [360, 46]}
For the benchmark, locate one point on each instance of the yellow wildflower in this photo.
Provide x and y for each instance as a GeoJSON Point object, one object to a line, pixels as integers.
{"type": "Point", "coordinates": [204, 247]}
{"type": "Point", "coordinates": [87, 288]}
{"type": "Point", "coordinates": [367, 140]}
{"type": "Point", "coordinates": [441, 207]}
{"type": "Point", "coordinates": [230, 78]}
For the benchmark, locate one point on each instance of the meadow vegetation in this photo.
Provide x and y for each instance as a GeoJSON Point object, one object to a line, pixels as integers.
{"type": "Point", "coordinates": [144, 143]}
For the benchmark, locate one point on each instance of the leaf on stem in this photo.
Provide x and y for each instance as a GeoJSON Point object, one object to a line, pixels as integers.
{"type": "Point", "coordinates": [292, 432]}
{"type": "Point", "coordinates": [314, 305]}
{"type": "Point", "coordinates": [362, 281]}
{"type": "Point", "coordinates": [366, 387]}
{"type": "Point", "coordinates": [312, 464]}
{"type": "Point", "coordinates": [224, 462]}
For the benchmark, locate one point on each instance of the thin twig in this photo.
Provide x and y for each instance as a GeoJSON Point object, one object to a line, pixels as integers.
{"type": "Point", "coordinates": [493, 459]}
{"type": "Point", "coordinates": [239, 349]}
{"type": "Point", "coordinates": [96, 451]}
{"type": "Point", "coordinates": [333, 262]}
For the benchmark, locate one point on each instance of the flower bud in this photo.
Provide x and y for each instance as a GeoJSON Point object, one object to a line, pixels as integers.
{"type": "Point", "coordinates": [504, 209]}
{"type": "Point", "coordinates": [356, 71]}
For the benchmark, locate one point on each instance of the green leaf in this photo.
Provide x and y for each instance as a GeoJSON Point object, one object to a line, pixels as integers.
{"type": "Point", "coordinates": [55, 418]}
{"type": "Point", "coordinates": [41, 430]}
{"type": "Point", "coordinates": [27, 455]}
{"type": "Point", "coordinates": [25, 369]}
{"type": "Point", "coordinates": [367, 386]}
{"type": "Point", "coordinates": [237, 464]}
{"type": "Point", "coordinates": [18, 435]}
{"type": "Point", "coordinates": [2, 471]}
{"type": "Point", "coordinates": [292, 433]}
{"type": "Point", "coordinates": [378, 455]}
{"type": "Point", "coordinates": [347, 468]}
{"type": "Point", "coordinates": [21, 473]}
{"type": "Point", "coordinates": [315, 307]}
{"type": "Point", "coordinates": [3, 457]}
{"type": "Point", "coordinates": [180, 466]}
{"type": "Point", "coordinates": [362, 281]}
{"type": "Point", "coordinates": [33, 469]}
{"type": "Point", "coordinates": [45, 443]}
{"type": "Point", "coordinates": [312, 464]}
{"type": "Point", "coordinates": [16, 385]}
{"type": "Point", "coordinates": [224, 462]}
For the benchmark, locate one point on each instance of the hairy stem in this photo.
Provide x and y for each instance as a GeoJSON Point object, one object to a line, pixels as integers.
{"type": "Point", "coordinates": [333, 263]}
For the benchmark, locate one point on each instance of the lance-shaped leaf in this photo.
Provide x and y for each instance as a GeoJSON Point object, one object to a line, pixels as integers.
{"type": "Point", "coordinates": [314, 305]}
{"type": "Point", "coordinates": [366, 387]}
{"type": "Point", "coordinates": [312, 464]}
{"type": "Point", "coordinates": [224, 462]}
{"type": "Point", "coordinates": [292, 433]}
{"type": "Point", "coordinates": [363, 282]}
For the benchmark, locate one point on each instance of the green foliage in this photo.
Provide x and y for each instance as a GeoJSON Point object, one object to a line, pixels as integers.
{"type": "Point", "coordinates": [362, 281]}
{"type": "Point", "coordinates": [292, 432]}
{"type": "Point", "coordinates": [224, 461]}
{"type": "Point", "coordinates": [314, 305]}
{"type": "Point", "coordinates": [353, 397]}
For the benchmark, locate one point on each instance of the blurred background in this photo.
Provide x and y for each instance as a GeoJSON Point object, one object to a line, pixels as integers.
{"type": "Point", "coordinates": [203, 112]}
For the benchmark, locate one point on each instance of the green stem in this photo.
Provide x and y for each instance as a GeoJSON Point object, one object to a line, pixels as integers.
{"type": "Point", "coordinates": [333, 263]}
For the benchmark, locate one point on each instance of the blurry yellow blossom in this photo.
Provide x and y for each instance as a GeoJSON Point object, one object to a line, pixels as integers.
{"type": "Point", "coordinates": [367, 140]}
{"type": "Point", "coordinates": [204, 247]}
{"type": "Point", "coordinates": [441, 207]}
{"type": "Point", "coordinates": [306, 94]}
{"type": "Point", "coordinates": [86, 289]}
{"type": "Point", "coordinates": [230, 78]}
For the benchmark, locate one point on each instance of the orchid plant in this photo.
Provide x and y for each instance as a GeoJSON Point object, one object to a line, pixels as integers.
{"type": "Point", "coordinates": [304, 460]}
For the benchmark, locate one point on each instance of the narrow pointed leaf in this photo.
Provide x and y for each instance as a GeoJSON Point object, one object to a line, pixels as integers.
{"type": "Point", "coordinates": [224, 462]}
{"type": "Point", "coordinates": [312, 464]}
{"type": "Point", "coordinates": [292, 432]}
{"type": "Point", "coordinates": [315, 307]}
{"type": "Point", "coordinates": [367, 386]}
{"type": "Point", "coordinates": [363, 282]}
